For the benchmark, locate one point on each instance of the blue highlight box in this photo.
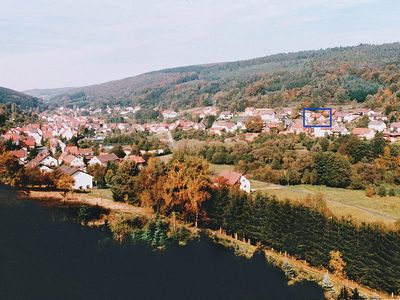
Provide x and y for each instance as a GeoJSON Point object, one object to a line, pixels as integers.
{"type": "Point", "coordinates": [305, 109]}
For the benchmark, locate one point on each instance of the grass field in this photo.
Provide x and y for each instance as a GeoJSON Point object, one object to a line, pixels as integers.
{"type": "Point", "coordinates": [99, 193]}
{"type": "Point", "coordinates": [216, 169]}
{"type": "Point", "coordinates": [342, 202]}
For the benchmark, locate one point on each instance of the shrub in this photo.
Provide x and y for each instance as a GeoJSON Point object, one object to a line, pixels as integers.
{"type": "Point", "coordinates": [370, 191]}
{"type": "Point", "coordinates": [392, 192]}
{"type": "Point", "coordinates": [382, 191]}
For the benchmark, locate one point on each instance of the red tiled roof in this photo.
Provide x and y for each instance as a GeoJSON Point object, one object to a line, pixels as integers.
{"type": "Point", "coordinates": [19, 153]}
{"type": "Point", "coordinates": [106, 157]}
{"type": "Point", "coordinates": [136, 159]}
{"type": "Point", "coordinates": [232, 177]}
{"type": "Point", "coordinates": [29, 141]}
{"type": "Point", "coordinates": [361, 131]}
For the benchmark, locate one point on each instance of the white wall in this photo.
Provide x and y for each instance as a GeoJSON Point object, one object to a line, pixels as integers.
{"type": "Point", "coordinates": [82, 181]}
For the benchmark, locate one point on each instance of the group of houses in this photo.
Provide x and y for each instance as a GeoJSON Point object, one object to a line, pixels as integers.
{"type": "Point", "coordinates": [50, 137]}
{"type": "Point", "coordinates": [43, 146]}
{"type": "Point", "coordinates": [282, 121]}
{"type": "Point", "coordinates": [286, 121]}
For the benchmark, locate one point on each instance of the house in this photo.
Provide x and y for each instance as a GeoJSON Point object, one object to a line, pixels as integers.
{"type": "Point", "coordinates": [13, 137]}
{"type": "Point", "coordinates": [322, 132]}
{"type": "Point", "coordinates": [28, 142]}
{"type": "Point", "coordinates": [395, 126]}
{"type": "Point", "coordinates": [339, 130]}
{"type": "Point", "coordinates": [297, 127]}
{"type": "Point", "coordinates": [376, 116]}
{"type": "Point", "coordinates": [225, 115]}
{"type": "Point", "coordinates": [136, 159]}
{"type": "Point", "coordinates": [103, 159]}
{"type": "Point", "coordinates": [21, 155]}
{"type": "Point", "coordinates": [82, 180]}
{"type": "Point", "coordinates": [223, 126]}
{"type": "Point", "coordinates": [74, 161]}
{"type": "Point", "coordinates": [235, 178]}
{"type": "Point", "coordinates": [378, 126]}
{"type": "Point", "coordinates": [267, 115]}
{"type": "Point", "coordinates": [43, 159]}
{"type": "Point", "coordinates": [364, 133]}
{"type": "Point", "coordinates": [250, 112]}
{"type": "Point", "coordinates": [209, 111]}
{"type": "Point", "coordinates": [169, 114]}
{"type": "Point", "coordinates": [349, 117]}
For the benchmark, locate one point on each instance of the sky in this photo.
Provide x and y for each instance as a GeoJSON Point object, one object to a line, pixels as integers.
{"type": "Point", "coordinates": [63, 43]}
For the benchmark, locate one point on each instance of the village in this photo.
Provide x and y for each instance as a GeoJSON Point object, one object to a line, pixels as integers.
{"type": "Point", "coordinates": [48, 145]}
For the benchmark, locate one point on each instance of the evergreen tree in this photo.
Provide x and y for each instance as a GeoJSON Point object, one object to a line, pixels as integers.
{"type": "Point", "coordinates": [344, 294]}
{"type": "Point", "coordinates": [333, 169]}
{"type": "Point", "coordinates": [378, 144]}
{"type": "Point", "coordinates": [288, 270]}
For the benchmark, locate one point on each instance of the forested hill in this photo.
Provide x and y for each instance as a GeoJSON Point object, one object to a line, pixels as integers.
{"type": "Point", "coordinates": [24, 101]}
{"type": "Point", "coordinates": [337, 75]}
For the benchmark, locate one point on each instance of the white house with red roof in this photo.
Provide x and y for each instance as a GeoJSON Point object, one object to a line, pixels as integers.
{"type": "Point", "coordinates": [322, 132]}
{"type": "Point", "coordinates": [235, 178]}
{"type": "Point", "coordinates": [378, 126]}
{"type": "Point", "coordinates": [169, 114]}
{"type": "Point", "coordinates": [364, 133]}
{"type": "Point", "coordinates": [43, 159]}
{"type": "Point", "coordinates": [220, 127]}
{"type": "Point", "coordinates": [103, 159]}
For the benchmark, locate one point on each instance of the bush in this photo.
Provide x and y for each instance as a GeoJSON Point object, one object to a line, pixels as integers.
{"type": "Point", "coordinates": [370, 191]}
{"type": "Point", "coordinates": [392, 192]}
{"type": "Point", "coordinates": [382, 191]}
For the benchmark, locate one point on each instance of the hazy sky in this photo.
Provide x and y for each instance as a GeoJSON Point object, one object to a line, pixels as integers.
{"type": "Point", "coordinates": [56, 43]}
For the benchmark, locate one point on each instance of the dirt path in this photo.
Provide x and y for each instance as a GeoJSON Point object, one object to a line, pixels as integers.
{"type": "Point", "coordinates": [89, 200]}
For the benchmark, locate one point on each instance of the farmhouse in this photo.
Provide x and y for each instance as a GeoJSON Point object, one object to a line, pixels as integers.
{"type": "Point", "coordinates": [235, 178]}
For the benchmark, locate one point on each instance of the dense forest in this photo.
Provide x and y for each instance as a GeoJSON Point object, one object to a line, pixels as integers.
{"type": "Point", "coordinates": [17, 108]}
{"type": "Point", "coordinates": [365, 73]}
{"type": "Point", "coordinates": [24, 101]}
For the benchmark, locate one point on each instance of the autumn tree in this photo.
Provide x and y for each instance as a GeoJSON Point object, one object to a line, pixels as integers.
{"type": "Point", "coordinates": [254, 124]}
{"type": "Point", "coordinates": [150, 183]}
{"type": "Point", "coordinates": [99, 173]}
{"type": "Point", "coordinates": [337, 264]}
{"type": "Point", "coordinates": [9, 169]}
{"type": "Point", "coordinates": [64, 183]}
{"type": "Point", "coordinates": [187, 186]}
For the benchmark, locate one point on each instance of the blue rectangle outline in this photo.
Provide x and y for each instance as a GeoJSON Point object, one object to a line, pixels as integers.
{"type": "Point", "coordinates": [317, 108]}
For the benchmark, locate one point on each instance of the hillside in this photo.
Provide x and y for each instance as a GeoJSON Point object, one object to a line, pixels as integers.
{"type": "Point", "coordinates": [337, 75]}
{"type": "Point", "coordinates": [47, 94]}
{"type": "Point", "coordinates": [24, 101]}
